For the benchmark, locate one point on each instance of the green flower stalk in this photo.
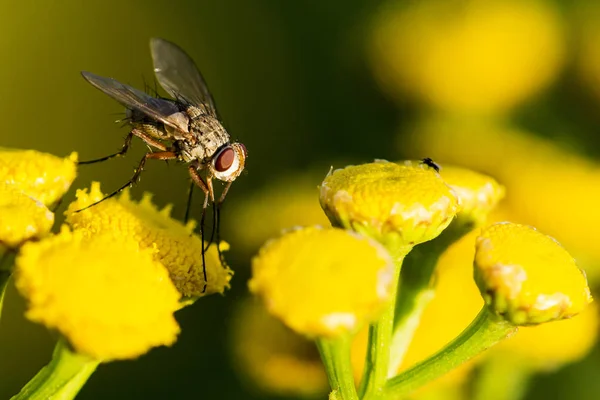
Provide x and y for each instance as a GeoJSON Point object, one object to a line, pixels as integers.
{"type": "Point", "coordinates": [478, 195]}
{"type": "Point", "coordinates": [525, 278]}
{"type": "Point", "coordinates": [399, 206]}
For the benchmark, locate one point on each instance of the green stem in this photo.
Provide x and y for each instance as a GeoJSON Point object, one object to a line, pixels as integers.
{"type": "Point", "coordinates": [485, 331]}
{"type": "Point", "coordinates": [380, 335]}
{"type": "Point", "coordinates": [5, 272]}
{"type": "Point", "coordinates": [335, 354]}
{"type": "Point", "coordinates": [416, 290]}
{"type": "Point", "coordinates": [513, 385]}
{"type": "Point", "coordinates": [62, 378]}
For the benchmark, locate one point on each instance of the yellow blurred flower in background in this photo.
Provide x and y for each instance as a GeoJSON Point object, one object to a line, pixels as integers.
{"type": "Point", "coordinates": [548, 347]}
{"type": "Point", "coordinates": [177, 247]}
{"type": "Point", "coordinates": [292, 200]}
{"type": "Point", "coordinates": [21, 217]}
{"type": "Point", "coordinates": [107, 296]}
{"type": "Point", "coordinates": [483, 56]}
{"type": "Point", "coordinates": [547, 186]}
{"type": "Point", "coordinates": [273, 358]}
{"type": "Point", "coordinates": [42, 176]}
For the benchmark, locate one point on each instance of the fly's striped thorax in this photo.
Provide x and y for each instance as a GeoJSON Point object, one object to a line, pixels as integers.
{"type": "Point", "coordinates": [207, 132]}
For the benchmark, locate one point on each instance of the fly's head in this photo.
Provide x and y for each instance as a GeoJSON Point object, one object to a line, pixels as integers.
{"type": "Point", "coordinates": [228, 162]}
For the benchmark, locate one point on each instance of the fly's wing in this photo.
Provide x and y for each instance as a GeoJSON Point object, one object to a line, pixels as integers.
{"type": "Point", "coordinates": [158, 109]}
{"type": "Point", "coordinates": [179, 76]}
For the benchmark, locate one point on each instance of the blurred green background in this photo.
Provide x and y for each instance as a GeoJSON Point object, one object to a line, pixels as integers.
{"type": "Point", "coordinates": [292, 81]}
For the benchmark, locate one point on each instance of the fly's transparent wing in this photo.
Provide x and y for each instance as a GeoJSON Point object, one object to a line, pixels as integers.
{"type": "Point", "coordinates": [161, 110]}
{"type": "Point", "coordinates": [179, 76]}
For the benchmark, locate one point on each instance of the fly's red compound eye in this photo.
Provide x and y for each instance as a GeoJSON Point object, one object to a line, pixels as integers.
{"type": "Point", "coordinates": [224, 159]}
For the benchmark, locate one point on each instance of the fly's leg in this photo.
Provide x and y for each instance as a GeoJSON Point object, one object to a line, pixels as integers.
{"type": "Point", "coordinates": [118, 154]}
{"type": "Point", "coordinates": [188, 206]}
{"type": "Point", "coordinates": [208, 193]}
{"type": "Point", "coordinates": [163, 155]}
{"type": "Point", "coordinates": [135, 132]}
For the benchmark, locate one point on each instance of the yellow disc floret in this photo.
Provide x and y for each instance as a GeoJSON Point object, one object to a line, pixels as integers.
{"type": "Point", "coordinates": [527, 277]}
{"type": "Point", "coordinates": [178, 248]}
{"type": "Point", "coordinates": [477, 193]}
{"type": "Point", "coordinates": [21, 217]}
{"type": "Point", "coordinates": [407, 203]}
{"type": "Point", "coordinates": [108, 297]}
{"type": "Point", "coordinates": [42, 176]}
{"type": "Point", "coordinates": [323, 282]}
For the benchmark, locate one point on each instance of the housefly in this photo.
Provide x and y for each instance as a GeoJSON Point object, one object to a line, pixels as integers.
{"type": "Point", "coordinates": [185, 128]}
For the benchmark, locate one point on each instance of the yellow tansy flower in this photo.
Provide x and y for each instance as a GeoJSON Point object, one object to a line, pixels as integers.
{"type": "Point", "coordinates": [527, 277]}
{"type": "Point", "coordinates": [40, 175]}
{"type": "Point", "coordinates": [108, 297]}
{"type": "Point", "coordinates": [272, 357]}
{"type": "Point", "coordinates": [21, 217]}
{"type": "Point", "coordinates": [406, 204]}
{"type": "Point", "coordinates": [478, 194]}
{"type": "Point", "coordinates": [467, 56]}
{"type": "Point", "coordinates": [323, 282]}
{"type": "Point", "coordinates": [178, 248]}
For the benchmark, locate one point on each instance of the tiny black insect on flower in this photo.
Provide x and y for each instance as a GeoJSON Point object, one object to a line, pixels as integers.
{"type": "Point", "coordinates": [432, 164]}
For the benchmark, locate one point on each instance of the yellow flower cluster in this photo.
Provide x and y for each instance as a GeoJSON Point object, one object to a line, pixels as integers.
{"type": "Point", "coordinates": [30, 181]}
{"type": "Point", "coordinates": [39, 175]}
{"type": "Point", "coordinates": [177, 247]}
{"type": "Point", "coordinates": [541, 179]}
{"type": "Point", "coordinates": [109, 298]}
{"type": "Point", "coordinates": [111, 282]}
{"type": "Point", "coordinates": [22, 217]}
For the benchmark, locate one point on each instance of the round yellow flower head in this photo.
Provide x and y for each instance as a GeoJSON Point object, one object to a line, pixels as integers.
{"type": "Point", "coordinates": [547, 347]}
{"type": "Point", "coordinates": [323, 282]}
{"type": "Point", "coordinates": [405, 204]}
{"type": "Point", "coordinates": [40, 175]}
{"type": "Point", "coordinates": [478, 194]}
{"type": "Point", "coordinates": [527, 277]}
{"type": "Point", "coordinates": [272, 357]}
{"type": "Point", "coordinates": [178, 248]}
{"type": "Point", "coordinates": [108, 297]}
{"type": "Point", "coordinates": [468, 56]}
{"type": "Point", "coordinates": [21, 217]}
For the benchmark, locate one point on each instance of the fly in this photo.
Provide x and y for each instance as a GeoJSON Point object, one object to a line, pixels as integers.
{"type": "Point", "coordinates": [185, 128]}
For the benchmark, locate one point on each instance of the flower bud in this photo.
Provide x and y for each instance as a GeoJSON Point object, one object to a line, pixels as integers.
{"type": "Point", "coordinates": [403, 204]}
{"type": "Point", "coordinates": [527, 277]}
